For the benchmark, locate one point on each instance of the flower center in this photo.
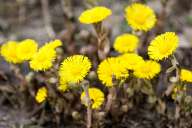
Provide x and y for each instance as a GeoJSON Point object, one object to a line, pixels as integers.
{"type": "Point", "coordinates": [164, 50]}
{"type": "Point", "coordinates": [141, 19]}
{"type": "Point", "coordinates": [76, 72]}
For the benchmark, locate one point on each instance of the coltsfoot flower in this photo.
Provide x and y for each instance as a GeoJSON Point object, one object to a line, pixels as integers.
{"type": "Point", "coordinates": [74, 68]}
{"type": "Point", "coordinates": [140, 17]}
{"type": "Point", "coordinates": [163, 46]}
{"type": "Point", "coordinates": [26, 49]}
{"type": "Point", "coordinates": [130, 60]}
{"type": "Point", "coordinates": [147, 70]}
{"type": "Point", "coordinates": [96, 96]}
{"type": "Point", "coordinates": [62, 85]}
{"type": "Point", "coordinates": [41, 95]}
{"type": "Point", "coordinates": [111, 68]}
{"type": "Point", "coordinates": [178, 91]}
{"type": "Point", "coordinates": [46, 55]}
{"type": "Point", "coordinates": [126, 43]}
{"type": "Point", "coordinates": [9, 52]}
{"type": "Point", "coordinates": [94, 15]}
{"type": "Point", "coordinates": [43, 59]}
{"type": "Point", "coordinates": [186, 75]}
{"type": "Point", "coordinates": [52, 44]}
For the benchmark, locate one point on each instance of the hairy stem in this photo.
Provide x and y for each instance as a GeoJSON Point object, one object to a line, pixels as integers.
{"type": "Point", "coordinates": [103, 41]}
{"type": "Point", "coordinates": [111, 96]}
{"type": "Point", "coordinates": [89, 110]}
{"type": "Point", "coordinates": [175, 79]}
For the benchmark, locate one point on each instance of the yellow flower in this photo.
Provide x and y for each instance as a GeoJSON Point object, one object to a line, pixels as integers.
{"type": "Point", "coordinates": [178, 91]}
{"type": "Point", "coordinates": [26, 49]}
{"type": "Point", "coordinates": [126, 43]}
{"type": "Point", "coordinates": [147, 70]}
{"type": "Point", "coordinates": [74, 68]}
{"type": "Point", "coordinates": [130, 60]}
{"type": "Point", "coordinates": [41, 95]}
{"type": "Point", "coordinates": [9, 52]}
{"type": "Point", "coordinates": [96, 96]}
{"type": "Point", "coordinates": [111, 68]}
{"type": "Point", "coordinates": [94, 15]}
{"type": "Point", "coordinates": [43, 59]}
{"type": "Point", "coordinates": [186, 75]}
{"type": "Point", "coordinates": [62, 85]}
{"type": "Point", "coordinates": [163, 46]}
{"type": "Point", "coordinates": [140, 16]}
{"type": "Point", "coordinates": [53, 44]}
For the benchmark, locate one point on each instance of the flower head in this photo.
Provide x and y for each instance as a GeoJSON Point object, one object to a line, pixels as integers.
{"type": "Point", "coordinates": [178, 91]}
{"type": "Point", "coordinates": [163, 46]}
{"type": "Point", "coordinates": [94, 15]}
{"type": "Point", "coordinates": [109, 68]}
{"type": "Point", "coordinates": [74, 68]}
{"type": "Point", "coordinates": [96, 96]}
{"type": "Point", "coordinates": [43, 59]}
{"type": "Point", "coordinates": [186, 75]}
{"type": "Point", "coordinates": [52, 44]}
{"type": "Point", "coordinates": [131, 60]}
{"type": "Point", "coordinates": [41, 95]}
{"type": "Point", "coordinates": [62, 85]}
{"type": "Point", "coordinates": [140, 16]}
{"type": "Point", "coordinates": [9, 52]}
{"type": "Point", "coordinates": [147, 70]}
{"type": "Point", "coordinates": [126, 43]}
{"type": "Point", "coordinates": [26, 49]}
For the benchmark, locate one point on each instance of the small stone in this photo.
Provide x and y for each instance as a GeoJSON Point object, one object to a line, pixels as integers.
{"type": "Point", "coordinates": [52, 80]}
{"type": "Point", "coordinates": [92, 75]}
{"type": "Point", "coordinates": [125, 108]}
{"type": "Point", "coordinates": [29, 76]}
{"type": "Point", "coordinates": [173, 79]}
{"type": "Point", "coordinates": [76, 115]}
{"type": "Point", "coordinates": [100, 115]}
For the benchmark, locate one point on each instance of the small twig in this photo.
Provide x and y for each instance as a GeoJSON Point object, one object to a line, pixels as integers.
{"type": "Point", "coordinates": [47, 18]}
{"type": "Point", "coordinates": [88, 101]}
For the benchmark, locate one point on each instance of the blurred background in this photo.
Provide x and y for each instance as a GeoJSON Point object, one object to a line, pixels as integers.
{"type": "Point", "coordinates": [43, 20]}
{"type": "Point", "coordinates": [46, 19]}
